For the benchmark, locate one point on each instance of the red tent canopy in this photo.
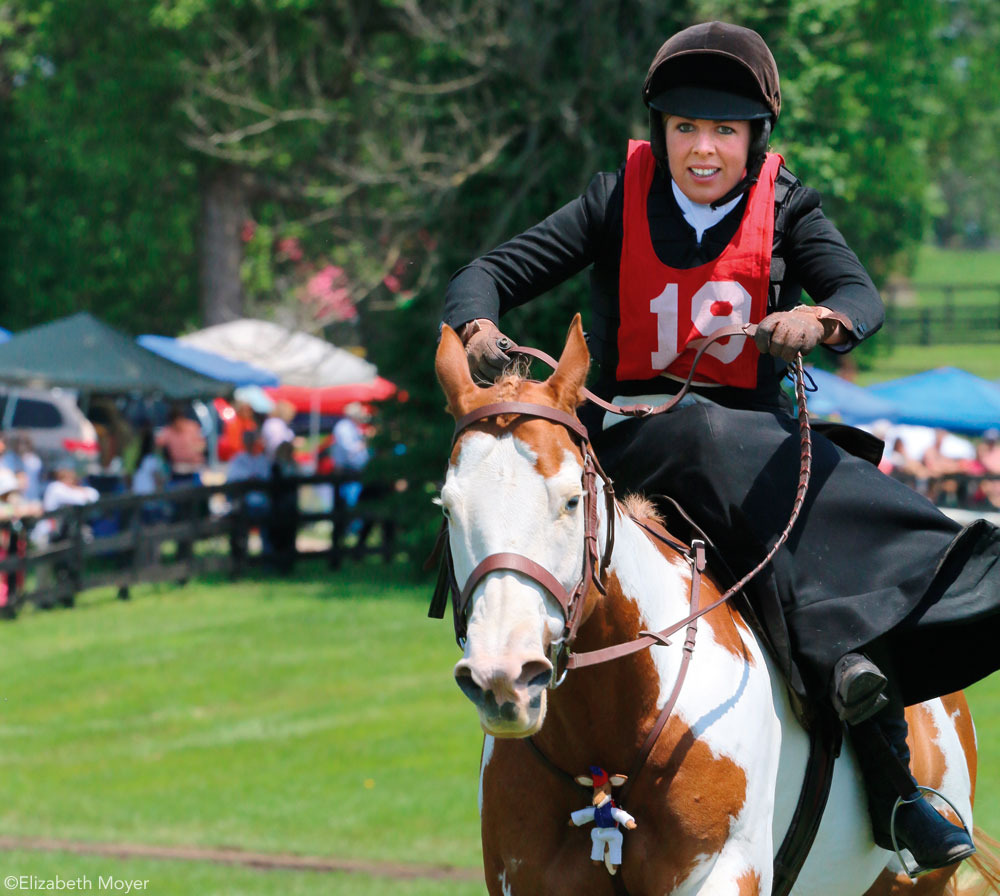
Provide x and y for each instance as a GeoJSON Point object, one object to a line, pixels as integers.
{"type": "Point", "coordinates": [332, 399]}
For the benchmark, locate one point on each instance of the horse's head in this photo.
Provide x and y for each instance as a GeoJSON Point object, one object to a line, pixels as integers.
{"type": "Point", "coordinates": [514, 485]}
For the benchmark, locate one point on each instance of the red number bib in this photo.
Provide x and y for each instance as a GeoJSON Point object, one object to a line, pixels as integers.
{"type": "Point", "coordinates": [663, 309]}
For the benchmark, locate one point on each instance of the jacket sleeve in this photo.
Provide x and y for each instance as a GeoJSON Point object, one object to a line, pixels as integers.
{"type": "Point", "coordinates": [532, 262]}
{"type": "Point", "coordinates": [820, 259]}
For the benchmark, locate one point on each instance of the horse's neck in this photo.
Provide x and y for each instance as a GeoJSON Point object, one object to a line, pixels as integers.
{"type": "Point", "coordinates": [642, 574]}
{"type": "Point", "coordinates": [600, 714]}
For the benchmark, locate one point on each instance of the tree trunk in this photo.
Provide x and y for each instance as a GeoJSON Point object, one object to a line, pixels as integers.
{"type": "Point", "coordinates": [224, 211]}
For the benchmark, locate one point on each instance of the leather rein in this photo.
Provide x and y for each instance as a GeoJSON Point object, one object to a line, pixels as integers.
{"type": "Point", "coordinates": [597, 561]}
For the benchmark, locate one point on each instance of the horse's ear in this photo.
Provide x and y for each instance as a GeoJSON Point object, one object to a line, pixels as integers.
{"type": "Point", "coordinates": [585, 780]}
{"type": "Point", "coordinates": [571, 372]}
{"type": "Point", "coordinates": [618, 780]}
{"type": "Point", "coordinates": [452, 368]}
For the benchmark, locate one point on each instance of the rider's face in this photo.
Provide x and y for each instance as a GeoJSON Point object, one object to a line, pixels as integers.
{"type": "Point", "coordinates": [707, 158]}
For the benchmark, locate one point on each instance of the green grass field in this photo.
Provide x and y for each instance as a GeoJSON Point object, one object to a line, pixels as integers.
{"type": "Point", "coordinates": [314, 716]}
{"type": "Point", "coordinates": [956, 266]}
{"type": "Point", "coordinates": [311, 716]}
{"type": "Point", "coordinates": [940, 266]}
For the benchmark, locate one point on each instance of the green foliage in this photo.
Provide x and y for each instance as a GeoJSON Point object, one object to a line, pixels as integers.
{"type": "Point", "coordinates": [966, 129]}
{"type": "Point", "coordinates": [98, 203]}
{"type": "Point", "coordinates": [856, 102]}
{"type": "Point", "coordinates": [398, 140]}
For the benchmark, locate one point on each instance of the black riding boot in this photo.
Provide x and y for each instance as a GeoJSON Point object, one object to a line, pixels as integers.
{"type": "Point", "coordinates": [858, 689]}
{"type": "Point", "coordinates": [884, 757]}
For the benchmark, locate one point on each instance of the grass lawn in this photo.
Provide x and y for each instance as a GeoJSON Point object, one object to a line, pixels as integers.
{"type": "Point", "coordinates": [314, 716]}
{"type": "Point", "coordinates": [957, 266]}
{"type": "Point", "coordinates": [941, 266]}
{"type": "Point", "coordinates": [982, 360]}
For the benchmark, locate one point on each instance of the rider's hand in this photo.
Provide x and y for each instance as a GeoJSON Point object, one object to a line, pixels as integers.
{"type": "Point", "coordinates": [485, 347]}
{"type": "Point", "coordinates": [787, 333]}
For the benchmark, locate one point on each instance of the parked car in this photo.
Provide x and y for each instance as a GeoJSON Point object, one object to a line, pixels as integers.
{"type": "Point", "coordinates": [51, 419]}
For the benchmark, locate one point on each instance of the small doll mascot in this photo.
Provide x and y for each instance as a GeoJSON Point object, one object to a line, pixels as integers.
{"type": "Point", "coordinates": [606, 838]}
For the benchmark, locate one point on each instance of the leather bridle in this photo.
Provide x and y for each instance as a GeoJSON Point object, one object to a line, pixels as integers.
{"type": "Point", "coordinates": [572, 603]}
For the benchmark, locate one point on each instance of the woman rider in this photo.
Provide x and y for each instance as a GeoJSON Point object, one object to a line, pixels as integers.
{"type": "Point", "coordinates": [702, 228]}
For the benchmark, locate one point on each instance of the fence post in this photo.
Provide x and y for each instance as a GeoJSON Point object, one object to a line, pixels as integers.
{"type": "Point", "coordinates": [925, 326]}
{"type": "Point", "coordinates": [74, 571]}
{"type": "Point", "coordinates": [239, 535]}
{"type": "Point", "coordinates": [339, 517]}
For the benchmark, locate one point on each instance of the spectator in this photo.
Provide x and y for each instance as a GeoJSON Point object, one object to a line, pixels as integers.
{"type": "Point", "coordinates": [942, 487]}
{"type": "Point", "coordinates": [13, 503]}
{"type": "Point", "coordinates": [150, 476]}
{"type": "Point", "coordinates": [12, 506]}
{"type": "Point", "coordinates": [899, 464]}
{"type": "Point", "coordinates": [242, 420]}
{"type": "Point", "coordinates": [65, 489]}
{"type": "Point", "coordinates": [22, 459]}
{"type": "Point", "coordinates": [250, 463]}
{"type": "Point", "coordinates": [276, 429]}
{"type": "Point", "coordinates": [350, 451]}
{"type": "Point", "coordinates": [988, 455]}
{"type": "Point", "coordinates": [991, 451]}
{"type": "Point", "coordinates": [184, 446]}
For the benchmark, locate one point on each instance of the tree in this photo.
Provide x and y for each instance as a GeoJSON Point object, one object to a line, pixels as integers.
{"type": "Point", "coordinates": [99, 199]}
{"type": "Point", "coordinates": [962, 144]}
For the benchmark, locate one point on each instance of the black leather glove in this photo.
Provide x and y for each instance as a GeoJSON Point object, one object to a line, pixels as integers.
{"type": "Point", "coordinates": [787, 333]}
{"type": "Point", "coordinates": [485, 347]}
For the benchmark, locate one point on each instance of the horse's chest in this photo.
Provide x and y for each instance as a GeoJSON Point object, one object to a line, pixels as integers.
{"type": "Point", "coordinates": [530, 846]}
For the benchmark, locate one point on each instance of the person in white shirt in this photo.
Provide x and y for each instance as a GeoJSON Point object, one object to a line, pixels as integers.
{"type": "Point", "coordinates": [65, 490]}
{"type": "Point", "coordinates": [276, 430]}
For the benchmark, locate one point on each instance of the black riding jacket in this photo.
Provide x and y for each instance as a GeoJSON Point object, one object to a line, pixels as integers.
{"type": "Point", "coordinates": [809, 253]}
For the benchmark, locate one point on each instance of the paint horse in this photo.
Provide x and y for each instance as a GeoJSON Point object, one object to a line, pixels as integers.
{"type": "Point", "coordinates": [527, 524]}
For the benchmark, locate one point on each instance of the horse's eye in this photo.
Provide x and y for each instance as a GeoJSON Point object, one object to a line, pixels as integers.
{"type": "Point", "coordinates": [444, 507]}
{"type": "Point", "coordinates": [573, 503]}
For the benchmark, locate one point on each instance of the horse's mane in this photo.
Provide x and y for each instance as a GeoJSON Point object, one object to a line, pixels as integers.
{"type": "Point", "coordinates": [641, 509]}
{"type": "Point", "coordinates": [509, 385]}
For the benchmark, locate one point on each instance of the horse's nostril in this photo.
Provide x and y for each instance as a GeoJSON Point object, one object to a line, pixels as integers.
{"type": "Point", "coordinates": [541, 680]}
{"type": "Point", "coordinates": [536, 674]}
{"type": "Point", "coordinates": [463, 678]}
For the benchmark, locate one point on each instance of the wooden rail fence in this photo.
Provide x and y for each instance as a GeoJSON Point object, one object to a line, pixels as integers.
{"type": "Point", "coordinates": [175, 535]}
{"type": "Point", "coordinates": [963, 314]}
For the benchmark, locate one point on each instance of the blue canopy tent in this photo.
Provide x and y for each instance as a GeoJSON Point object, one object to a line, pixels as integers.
{"type": "Point", "coordinates": [947, 398]}
{"type": "Point", "coordinates": [237, 372]}
{"type": "Point", "coordinates": [836, 397]}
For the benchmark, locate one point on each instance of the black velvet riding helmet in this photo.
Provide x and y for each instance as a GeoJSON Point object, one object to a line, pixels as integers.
{"type": "Point", "coordinates": [719, 72]}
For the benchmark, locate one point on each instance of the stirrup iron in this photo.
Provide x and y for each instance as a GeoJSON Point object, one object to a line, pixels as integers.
{"type": "Point", "coordinates": [914, 871]}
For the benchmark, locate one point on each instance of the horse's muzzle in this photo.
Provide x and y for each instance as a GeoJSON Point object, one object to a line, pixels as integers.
{"type": "Point", "coordinates": [509, 696]}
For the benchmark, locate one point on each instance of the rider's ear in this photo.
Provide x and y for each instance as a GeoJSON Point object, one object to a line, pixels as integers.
{"type": "Point", "coordinates": [452, 369]}
{"type": "Point", "coordinates": [571, 373]}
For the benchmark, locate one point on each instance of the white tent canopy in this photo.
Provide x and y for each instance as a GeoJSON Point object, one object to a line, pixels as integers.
{"type": "Point", "coordinates": [296, 358]}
